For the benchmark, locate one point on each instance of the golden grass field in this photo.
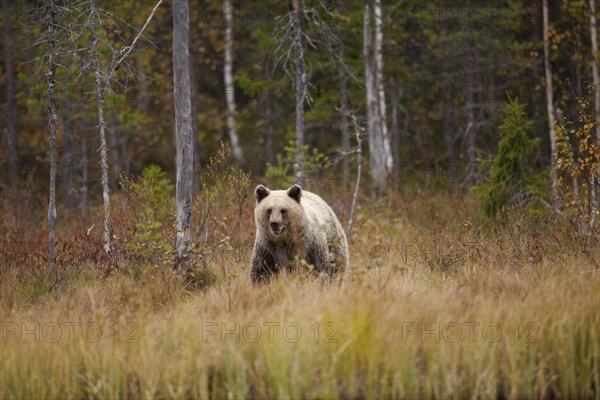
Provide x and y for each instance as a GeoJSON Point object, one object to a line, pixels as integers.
{"type": "Point", "coordinates": [438, 304]}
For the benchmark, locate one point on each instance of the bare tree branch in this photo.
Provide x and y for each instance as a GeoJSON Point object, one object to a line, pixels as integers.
{"type": "Point", "coordinates": [357, 131]}
{"type": "Point", "coordinates": [124, 51]}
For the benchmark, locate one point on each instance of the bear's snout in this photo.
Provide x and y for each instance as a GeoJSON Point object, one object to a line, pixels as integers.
{"type": "Point", "coordinates": [275, 227]}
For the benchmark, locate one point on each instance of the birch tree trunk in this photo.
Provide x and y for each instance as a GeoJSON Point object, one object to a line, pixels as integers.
{"type": "Point", "coordinates": [595, 177]}
{"type": "Point", "coordinates": [389, 160]}
{"type": "Point", "coordinates": [375, 161]}
{"type": "Point", "coordinates": [183, 129]}
{"type": "Point", "coordinates": [12, 137]}
{"type": "Point", "coordinates": [229, 84]}
{"type": "Point", "coordinates": [550, 102]}
{"type": "Point", "coordinates": [52, 118]}
{"type": "Point", "coordinates": [102, 81]}
{"type": "Point", "coordinates": [380, 158]}
{"type": "Point", "coordinates": [300, 84]}
{"type": "Point", "coordinates": [101, 124]}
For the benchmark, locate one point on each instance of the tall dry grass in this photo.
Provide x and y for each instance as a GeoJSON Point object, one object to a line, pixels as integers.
{"type": "Point", "coordinates": [437, 304]}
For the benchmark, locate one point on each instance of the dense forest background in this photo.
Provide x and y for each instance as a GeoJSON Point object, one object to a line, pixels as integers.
{"type": "Point", "coordinates": [448, 69]}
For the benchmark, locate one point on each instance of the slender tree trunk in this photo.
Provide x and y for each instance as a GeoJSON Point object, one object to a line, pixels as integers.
{"type": "Point", "coordinates": [375, 157]}
{"type": "Point", "coordinates": [550, 102]}
{"type": "Point", "coordinates": [183, 127]}
{"type": "Point", "coordinates": [378, 157]}
{"type": "Point", "coordinates": [300, 84]}
{"type": "Point", "coordinates": [389, 160]}
{"type": "Point", "coordinates": [102, 87]}
{"type": "Point", "coordinates": [229, 84]}
{"type": "Point", "coordinates": [344, 104]}
{"type": "Point", "coordinates": [103, 146]}
{"type": "Point", "coordinates": [52, 118]}
{"type": "Point", "coordinates": [595, 176]}
{"type": "Point", "coordinates": [12, 137]}
{"type": "Point", "coordinates": [357, 131]}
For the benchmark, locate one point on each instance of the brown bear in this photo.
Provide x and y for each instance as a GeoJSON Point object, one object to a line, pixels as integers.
{"type": "Point", "coordinates": [296, 225]}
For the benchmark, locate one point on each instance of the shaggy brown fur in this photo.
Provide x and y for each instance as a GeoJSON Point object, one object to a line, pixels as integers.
{"type": "Point", "coordinates": [292, 226]}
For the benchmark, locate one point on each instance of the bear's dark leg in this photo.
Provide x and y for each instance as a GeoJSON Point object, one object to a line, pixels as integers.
{"type": "Point", "coordinates": [263, 265]}
{"type": "Point", "coordinates": [317, 257]}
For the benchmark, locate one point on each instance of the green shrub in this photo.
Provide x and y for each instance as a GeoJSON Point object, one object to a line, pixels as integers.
{"type": "Point", "coordinates": [282, 173]}
{"type": "Point", "coordinates": [151, 201]}
{"type": "Point", "coordinates": [219, 211]}
{"type": "Point", "coordinates": [509, 183]}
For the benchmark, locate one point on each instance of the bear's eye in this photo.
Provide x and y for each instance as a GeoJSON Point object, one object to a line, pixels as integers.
{"type": "Point", "coordinates": [269, 211]}
{"type": "Point", "coordinates": [283, 211]}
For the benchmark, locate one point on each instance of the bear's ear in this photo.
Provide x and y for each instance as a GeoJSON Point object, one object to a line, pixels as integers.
{"type": "Point", "coordinates": [260, 193]}
{"type": "Point", "coordinates": [295, 192]}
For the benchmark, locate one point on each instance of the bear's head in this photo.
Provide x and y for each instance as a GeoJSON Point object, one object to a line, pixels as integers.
{"type": "Point", "coordinates": [278, 214]}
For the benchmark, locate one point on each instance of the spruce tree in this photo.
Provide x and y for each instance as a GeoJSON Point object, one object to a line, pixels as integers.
{"type": "Point", "coordinates": [509, 183]}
